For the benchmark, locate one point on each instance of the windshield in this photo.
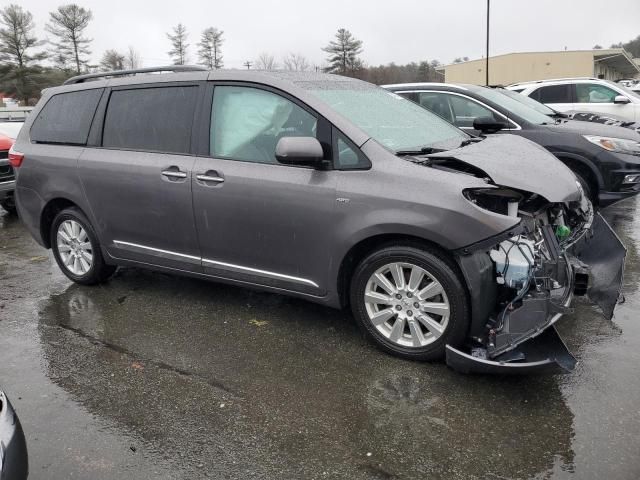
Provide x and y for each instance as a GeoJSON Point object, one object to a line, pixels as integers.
{"type": "Point", "coordinates": [528, 101]}
{"type": "Point", "coordinates": [511, 105]}
{"type": "Point", "coordinates": [628, 91]}
{"type": "Point", "coordinates": [397, 123]}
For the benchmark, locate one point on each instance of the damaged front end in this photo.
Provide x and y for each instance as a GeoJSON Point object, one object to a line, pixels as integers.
{"type": "Point", "coordinates": [523, 281]}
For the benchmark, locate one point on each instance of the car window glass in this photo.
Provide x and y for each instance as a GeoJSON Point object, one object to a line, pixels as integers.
{"type": "Point", "coordinates": [391, 120]}
{"type": "Point", "coordinates": [467, 110]}
{"type": "Point", "coordinates": [437, 103]}
{"type": "Point", "coordinates": [553, 94]}
{"type": "Point", "coordinates": [153, 119]}
{"type": "Point", "coordinates": [66, 118]}
{"type": "Point", "coordinates": [593, 93]}
{"type": "Point", "coordinates": [347, 155]}
{"type": "Point", "coordinates": [246, 123]}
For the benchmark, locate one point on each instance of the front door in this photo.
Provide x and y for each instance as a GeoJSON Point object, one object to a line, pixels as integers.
{"type": "Point", "coordinates": [259, 221]}
{"type": "Point", "coordinates": [138, 183]}
{"type": "Point", "coordinates": [597, 98]}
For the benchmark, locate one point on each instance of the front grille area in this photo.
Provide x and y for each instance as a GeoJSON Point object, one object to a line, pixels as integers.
{"type": "Point", "coordinates": [6, 171]}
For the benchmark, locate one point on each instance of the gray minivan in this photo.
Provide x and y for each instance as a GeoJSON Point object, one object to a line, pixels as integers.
{"type": "Point", "coordinates": [325, 188]}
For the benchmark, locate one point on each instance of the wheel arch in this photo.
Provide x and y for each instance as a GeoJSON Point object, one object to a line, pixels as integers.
{"type": "Point", "coordinates": [49, 212]}
{"type": "Point", "coordinates": [372, 243]}
{"type": "Point", "coordinates": [585, 168]}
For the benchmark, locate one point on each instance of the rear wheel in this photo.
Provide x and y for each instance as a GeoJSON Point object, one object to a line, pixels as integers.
{"type": "Point", "coordinates": [410, 302]}
{"type": "Point", "coordinates": [77, 250]}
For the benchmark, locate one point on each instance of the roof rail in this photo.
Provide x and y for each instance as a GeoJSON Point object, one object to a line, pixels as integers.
{"type": "Point", "coordinates": [122, 73]}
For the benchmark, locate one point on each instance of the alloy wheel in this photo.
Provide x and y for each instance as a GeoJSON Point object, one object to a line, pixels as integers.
{"type": "Point", "coordinates": [406, 304]}
{"type": "Point", "coordinates": [74, 247]}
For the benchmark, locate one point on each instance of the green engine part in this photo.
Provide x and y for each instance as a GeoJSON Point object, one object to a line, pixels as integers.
{"type": "Point", "coordinates": [562, 232]}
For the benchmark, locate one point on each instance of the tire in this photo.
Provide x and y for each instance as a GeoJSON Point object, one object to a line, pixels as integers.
{"type": "Point", "coordinates": [586, 187]}
{"type": "Point", "coordinates": [77, 250]}
{"type": "Point", "coordinates": [9, 205]}
{"type": "Point", "coordinates": [406, 326]}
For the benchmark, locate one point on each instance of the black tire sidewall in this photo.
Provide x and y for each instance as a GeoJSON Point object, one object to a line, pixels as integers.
{"type": "Point", "coordinates": [96, 272]}
{"type": "Point", "coordinates": [443, 271]}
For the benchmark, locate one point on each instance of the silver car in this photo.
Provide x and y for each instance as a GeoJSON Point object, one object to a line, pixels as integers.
{"type": "Point", "coordinates": [325, 188]}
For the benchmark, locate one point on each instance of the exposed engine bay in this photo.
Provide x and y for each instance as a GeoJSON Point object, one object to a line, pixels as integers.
{"type": "Point", "coordinates": [522, 281]}
{"type": "Point", "coordinates": [558, 251]}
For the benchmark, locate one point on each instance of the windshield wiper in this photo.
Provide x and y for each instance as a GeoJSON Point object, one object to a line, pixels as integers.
{"type": "Point", "coordinates": [469, 141]}
{"type": "Point", "coordinates": [557, 115]}
{"type": "Point", "coordinates": [421, 151]}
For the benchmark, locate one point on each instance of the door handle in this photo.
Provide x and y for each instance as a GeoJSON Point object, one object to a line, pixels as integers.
{"type": "Point", "coordinates": [174, 174]}
{"type": "Point", "coordinates": [210, 176]}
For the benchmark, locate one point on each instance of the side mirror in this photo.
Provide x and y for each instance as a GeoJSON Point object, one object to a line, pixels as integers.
{"type": "Point", "coordinates": [488, 125]}
{"type": "Point", "coordinates": [299, 151]}
{"type": "Point", "coordinates": [621, 100]}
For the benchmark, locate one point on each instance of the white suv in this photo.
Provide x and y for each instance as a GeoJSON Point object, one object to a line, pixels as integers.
{"type": "Point", "coordinates": [584, 95]}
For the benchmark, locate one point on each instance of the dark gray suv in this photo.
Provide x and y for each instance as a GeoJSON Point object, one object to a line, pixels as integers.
{"type": "Point", "coordinates": [325, 188]}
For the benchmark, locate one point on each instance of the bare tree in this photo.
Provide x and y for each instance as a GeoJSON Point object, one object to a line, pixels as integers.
{"type": "Point", "coordinates": [68, 24]}
{"type": "Point", "coordinates": [296, 62]}
{"type": "Point", "coordinates": [112, 60]}
{"type": "Point", "coordinates": [266, 61]}
{"type": "Point", "coordinates": [210, 48]}
{"type": "Point", "coordinates": [132, 58]}
{"type": "Point", "coordinates": [344, 53]}
{"type": "Point", "coordinates": [179, 45]}
{"type": "Point", "coordinates": [19, 71]}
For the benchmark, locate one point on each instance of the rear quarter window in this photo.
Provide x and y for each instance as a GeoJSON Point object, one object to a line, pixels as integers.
{"type": "Point", "coordinates": [66, 118]}
{"type": "Point", "coordinates": [157, 119]}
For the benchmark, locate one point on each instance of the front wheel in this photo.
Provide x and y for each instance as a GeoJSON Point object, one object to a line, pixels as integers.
{"type": "Point", "coordinates": [77, 250]}
{"type": "Point", "coordinates": [9, 205]}
{"type": "Point", "coordinates": [410, 302]}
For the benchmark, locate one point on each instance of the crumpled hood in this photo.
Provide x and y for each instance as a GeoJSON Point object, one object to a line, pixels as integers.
{"type": "Point", "coordinates": [515, 162]}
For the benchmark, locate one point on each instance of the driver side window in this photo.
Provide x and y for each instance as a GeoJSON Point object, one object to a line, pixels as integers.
{"type": "Point", "coordinates": [246, 123]}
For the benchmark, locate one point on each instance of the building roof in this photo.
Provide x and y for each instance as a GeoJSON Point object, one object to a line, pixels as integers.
{"type": "Point", "coordinates": [617, 58]}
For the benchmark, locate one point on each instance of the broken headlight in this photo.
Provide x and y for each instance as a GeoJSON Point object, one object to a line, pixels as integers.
{"type": "Point", "coordinates": [498, 200]}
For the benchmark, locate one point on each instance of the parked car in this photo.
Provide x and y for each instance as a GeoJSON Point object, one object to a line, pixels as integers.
{"type": "Point", "coordinates": [605, 119]}
{"type": "Point", "coordinates": [325, 188]}
{"type": "Point", "coordinates": [585, 95]}
{"type": "Point", "coordinates": [605, 159]}
{"type": "Point", "coordinates": [8, 132]}
{"type": "Point", "coordinates": [14, 463]}
{"type": "Point", "coordinates": [7, 177]}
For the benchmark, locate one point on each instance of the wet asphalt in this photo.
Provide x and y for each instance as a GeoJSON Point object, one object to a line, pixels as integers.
{"type": "Point", "coordinates": [159, 377]}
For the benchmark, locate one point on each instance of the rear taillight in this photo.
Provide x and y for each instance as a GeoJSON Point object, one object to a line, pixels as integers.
{"type": "Point", "coordinates": [15, 158]}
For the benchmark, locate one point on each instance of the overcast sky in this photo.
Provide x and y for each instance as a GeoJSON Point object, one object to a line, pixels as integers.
{"type": "Point", "coordinates": [416, 30]}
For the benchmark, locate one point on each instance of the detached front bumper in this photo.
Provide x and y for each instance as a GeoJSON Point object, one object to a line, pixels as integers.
{"type": "Point", "coordinates": [527, 342]}
{"type": "Point", "coordinates": [14, 464]}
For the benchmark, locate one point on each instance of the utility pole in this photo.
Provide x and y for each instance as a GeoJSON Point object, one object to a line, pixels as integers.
{"type": "Point", "coordinates": [487, 57]}
{"type": "Point", "coordinates": [247, 64]}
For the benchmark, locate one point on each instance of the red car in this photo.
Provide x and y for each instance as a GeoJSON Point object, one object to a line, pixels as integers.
{"type": "Point", "coordinates": [8, 133]}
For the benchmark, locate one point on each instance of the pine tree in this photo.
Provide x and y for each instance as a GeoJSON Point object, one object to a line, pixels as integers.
{"type": "Point", "coordinates": [20, 73]}
{"type": "Point", "coordinates": [68, 24]}
{"type": "Point", "coordinates": [178, 52]}
{"type": "Point", "coordinates": [210, 48]}
{"type": "Point", "coordinates": [343, 53]}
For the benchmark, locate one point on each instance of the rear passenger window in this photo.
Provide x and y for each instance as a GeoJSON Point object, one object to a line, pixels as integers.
{"type": "Point", "coordinates": [66, 118]}
{"type": "Point", "coordinates": [157, 119]}
{"type": "Point", "coordinates": [553, 94]}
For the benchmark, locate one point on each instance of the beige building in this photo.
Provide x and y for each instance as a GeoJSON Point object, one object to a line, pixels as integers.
{"type": "Point", "coordinates": [610, 64]}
